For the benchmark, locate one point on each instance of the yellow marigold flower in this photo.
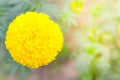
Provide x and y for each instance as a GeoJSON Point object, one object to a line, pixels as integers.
{"type": "Point", "coordinates": [77, 7]}
{"type": "Point", "coordinates": [33, 39]}
{"type": "Point", "coordinates": [73, 5]}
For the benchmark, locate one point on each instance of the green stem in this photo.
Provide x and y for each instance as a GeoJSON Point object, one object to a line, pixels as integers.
{"type": "Point", "coordinates": [93, 71]}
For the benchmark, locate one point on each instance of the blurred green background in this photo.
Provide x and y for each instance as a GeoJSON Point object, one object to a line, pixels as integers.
{"type": "Point", "coordinates": [91, 31]}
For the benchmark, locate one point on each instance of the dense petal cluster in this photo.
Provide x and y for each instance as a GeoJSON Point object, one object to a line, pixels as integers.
{"type": "Point", "coordinates": [33, 39]}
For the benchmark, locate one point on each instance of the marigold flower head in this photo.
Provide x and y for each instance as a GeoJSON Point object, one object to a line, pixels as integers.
{"type": "Point", "coordinates": [77, 6]}
{"type": "Point", "coordinates": [33, 39]}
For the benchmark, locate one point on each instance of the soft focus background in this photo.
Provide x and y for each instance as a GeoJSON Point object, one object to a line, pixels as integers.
{"type": "Point", "coordinates": [91, 49]}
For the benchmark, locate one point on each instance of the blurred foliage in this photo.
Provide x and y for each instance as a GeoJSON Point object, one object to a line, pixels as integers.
{"type": "Point", "coordinates": [64, 54]}
{"type": "Point", "coordinates": [99, 48]}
